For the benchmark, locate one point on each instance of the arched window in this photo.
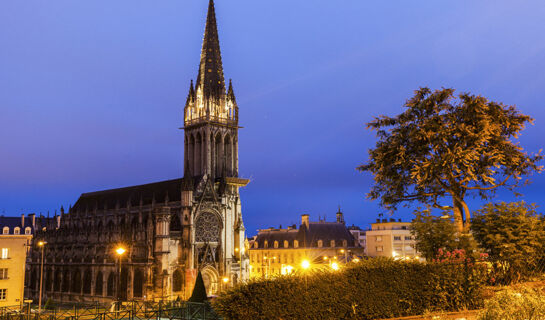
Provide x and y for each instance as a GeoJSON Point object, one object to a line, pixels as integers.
{"type": "Point", "coordinates": [110, 285]}
{"type": "Point", "coordinates": [138, 284]}
{"type": "Point", "coordinates": [345, 243]}
{"type": "Point", "coordinates": [87, 281]}
{"type": "Point", "coordinates": [5, 230]}
{"type": "Point", "coordinates": [17, 230]}
{"type": "Point", "coordinates": [76, 281]}
{"type": "Point", "coordinates": [295, 244]}
{"type": "Point", "coordinates": [286, 244]}
{"type": "Point", "coordinates": [124, 282]}
{"type": "Point", "coordinates": [48, 280]}
{"type": "Point", "coordinates": [177, 281]}
{"type": "Point", "coordinates": [66, 281]}
{"type": "Point", "coordinates": [332, 244]}
{"type": "Point", "coordinates": [98, 284]}
{"type": "Point", "coordinates": [320, 243]}
{"type": "Point", "coordinates": [27, 230]}
{"type": "Point", "coordinates": [276, 244]}
{"type": "Point", "coordinates": [57, 280]}
{"type": "Point", "coordinates": [175, 224]}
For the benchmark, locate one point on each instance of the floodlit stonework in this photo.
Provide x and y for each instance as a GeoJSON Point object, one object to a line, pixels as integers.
{"type": "Point", "coordinates": [14, 244]}
{"type": "Point", "coordinates": [169, 229]}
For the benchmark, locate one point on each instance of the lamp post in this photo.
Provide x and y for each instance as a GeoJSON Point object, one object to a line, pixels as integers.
{"type": "Point", "coordinates": [41, 244]}
{"type": "Point", "coordinates": [119, 251]}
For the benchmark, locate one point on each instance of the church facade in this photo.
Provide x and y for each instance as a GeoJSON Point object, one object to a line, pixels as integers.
{"type": "Point", "coordinates": [170, 229]}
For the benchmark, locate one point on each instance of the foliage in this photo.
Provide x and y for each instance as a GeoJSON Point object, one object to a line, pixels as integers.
{"type": "Point", "coordinates": [437, 233]}
{"type": "Point", "coordinates": [370, 289]}
{"type": "Point", "coordinates": [199, 291]}
{"type": "Point", "coordinates": [513, 235]}
{"type": "Point", "coordinates": [525, 304]}
{"type": "Point", "coordinates": [49, 304]}
{"type": "Point", "coordinates": [443, 145]}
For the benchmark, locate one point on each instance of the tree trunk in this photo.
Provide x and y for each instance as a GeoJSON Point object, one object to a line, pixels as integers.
{"type": "Point", "coordinates": [458, 217]}
{"type": "Point", "coordinates": [467, 214]}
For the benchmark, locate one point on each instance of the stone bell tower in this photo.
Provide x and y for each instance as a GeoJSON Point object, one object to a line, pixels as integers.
{"type": "Point", "coordinates": [211, 202]}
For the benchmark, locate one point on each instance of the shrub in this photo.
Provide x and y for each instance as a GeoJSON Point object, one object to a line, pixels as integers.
{"type": "Point", "coordinates": [49, 304]}
{"type": "Point", "coordinates": [513, 235]}
{"type": "Point", "coordinates": [376, 288]}
{"type": "Point", "coordinates": [521, 304]}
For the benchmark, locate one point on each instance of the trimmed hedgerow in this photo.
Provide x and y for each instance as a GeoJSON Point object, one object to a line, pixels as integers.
{"type": "Point", "coordinates": [376, 288]}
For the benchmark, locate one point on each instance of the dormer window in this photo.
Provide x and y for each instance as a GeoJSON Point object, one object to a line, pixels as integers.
{"type": "Point", "coordinates": [17, 230]}
{"type": "Point", "coordinates": [276, 244]}
{"type": "Point", "coordinates": [286, 244]}
{"type": "Point", "coordinates": [345, 243]}
{"type": "Point", "coordinates": [320, 243]}
{"type": "Point", "coordinates": [266, 244]}
{"type": "Point", "coordinates": [295, 244]}
{"type": "Point", "coordinates": [256, 244]}
{"type": "Point", "coordinates": [28, 231]}
{"type": "Point", "coordinates": [332, 243]}
{"type": "Point", "coordinates": [5, 230]}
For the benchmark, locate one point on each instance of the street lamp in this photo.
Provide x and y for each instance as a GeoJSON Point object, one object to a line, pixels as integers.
{"type": "Point", "coordinates": [335, 266]}
{"type": "Point", "coordinates": [41, 244]}
{"type": "Point", "coordinates": [119, 251]}
{"type": "Point", "coordinates": [305, 264]}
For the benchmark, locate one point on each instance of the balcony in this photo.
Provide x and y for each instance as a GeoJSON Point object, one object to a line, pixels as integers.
{"type": "Point", "coordinates": [211, 119]}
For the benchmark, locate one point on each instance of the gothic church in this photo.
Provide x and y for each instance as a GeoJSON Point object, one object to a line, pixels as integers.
{"type": "Point", "coordinates": [171, 229]}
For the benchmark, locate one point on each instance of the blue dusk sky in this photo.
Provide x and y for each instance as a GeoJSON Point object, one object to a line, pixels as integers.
{"type": "Point", "coordinates": [92, 92]}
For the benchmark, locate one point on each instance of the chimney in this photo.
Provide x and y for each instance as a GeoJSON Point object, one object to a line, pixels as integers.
{"type": "Point", "coordinates": [305, 219]}
{"type": "Point", "coordinates": [22, 220]}
{"type": "Point", "coordinates": [32, 217]}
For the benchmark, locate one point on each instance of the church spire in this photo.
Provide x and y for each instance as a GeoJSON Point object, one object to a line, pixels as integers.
{"type": "Point", "coordinates": [210, 78]}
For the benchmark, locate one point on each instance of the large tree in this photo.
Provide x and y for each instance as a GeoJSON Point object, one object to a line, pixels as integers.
{"type": "Point", "coordinates": [448, 147]}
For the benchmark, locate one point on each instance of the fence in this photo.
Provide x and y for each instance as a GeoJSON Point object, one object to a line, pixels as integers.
{"type": "Point", "coordinates": [128, 311]}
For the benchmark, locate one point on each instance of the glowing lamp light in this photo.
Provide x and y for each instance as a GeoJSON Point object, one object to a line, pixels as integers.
{"type": "Point", "coordinates": [305, 264]}
{"type": "Point", "coordinates": [287, 269]}
{"type": "Point", "coordinates": [335, 266]}
{"type": "Point", "coordinates": [225, 279]}
{"type": "Point", "coordinates": [236, 249]}
{"type": "Point", "coordinates": [41, 243]}
{"type": "Point", "coordinates": [325, 258]}
{"type": "Point", "coordinates": [356, 260]}
{"type": "Point", "coordinates": [342, 250]}
{"type": "Point", "coordinates": [120, 250]}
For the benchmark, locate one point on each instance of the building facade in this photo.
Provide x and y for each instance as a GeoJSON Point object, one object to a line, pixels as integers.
{"type": "Point", "coordinates": [318, 244]}
{"type": "Point", "coordinates": [390, 238]}
{"type": "Point", "coordinates": [171, 229]}
{"type": "Point", "coordinates": [15, 241]}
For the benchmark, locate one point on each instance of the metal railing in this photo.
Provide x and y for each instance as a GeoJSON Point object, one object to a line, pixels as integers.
{"type": "Point", "coordinates": [129, 311]}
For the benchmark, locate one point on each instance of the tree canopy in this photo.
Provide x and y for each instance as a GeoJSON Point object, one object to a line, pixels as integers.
{"type": "Point", "coordinates": [447, 146]}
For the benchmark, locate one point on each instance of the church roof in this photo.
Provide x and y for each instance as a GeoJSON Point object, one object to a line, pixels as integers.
{"type": "Point", "coordinates": [210, 78]}
{"type": "Point", "coordinates": [169, 189]}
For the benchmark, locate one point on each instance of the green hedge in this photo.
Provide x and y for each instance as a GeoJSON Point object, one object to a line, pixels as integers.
{"type": "Point", "coordinates": [375, 288]}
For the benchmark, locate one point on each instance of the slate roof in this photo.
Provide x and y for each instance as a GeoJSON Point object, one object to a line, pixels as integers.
{"type": "Point", "coordinates": [13, 222]}
{"type": "Point", "coordinates": [133, 194]}
{"type": "Point", "coordinates": [307, 237]}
